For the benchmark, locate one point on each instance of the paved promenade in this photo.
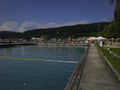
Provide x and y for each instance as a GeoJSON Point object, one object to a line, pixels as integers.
{"type": "Point", "coordinates": [96, 74]}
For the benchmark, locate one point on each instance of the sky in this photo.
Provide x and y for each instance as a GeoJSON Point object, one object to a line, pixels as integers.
{"type": "Point", "coordinates": [22, 15]}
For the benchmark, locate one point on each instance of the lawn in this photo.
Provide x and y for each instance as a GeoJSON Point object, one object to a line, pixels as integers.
{"type": "Point", "coordinates": [116, 51]}
{"type": "Point", "coordinates": [112, 59]}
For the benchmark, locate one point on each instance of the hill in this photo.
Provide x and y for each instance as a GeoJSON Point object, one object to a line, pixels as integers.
{"type": "Point", "coordinates": [10, 34]}
{"type": "Point", "coordinates": [67, 31]}
{"type": "Point", "coordinates": [75, 31]}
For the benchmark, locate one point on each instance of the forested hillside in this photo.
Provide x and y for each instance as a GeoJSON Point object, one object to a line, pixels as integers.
{"type": "Point", "coordinates": [59, 32]}
{"type": "Point", "coordinates": [67, 31]}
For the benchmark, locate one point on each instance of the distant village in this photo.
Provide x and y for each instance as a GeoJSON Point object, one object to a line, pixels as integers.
{"type": "Point", "coordinates": [42, 41]}
{"type": "Point", "coordinates": [55, 41]}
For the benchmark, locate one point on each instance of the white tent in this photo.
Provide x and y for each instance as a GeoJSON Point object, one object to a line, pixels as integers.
{"type": "Point", "coordinates": [91, 38]}
{"type": "Point", "coordinates": [96, 38]}
{"type": "Point", "coordinates": [100, 37]}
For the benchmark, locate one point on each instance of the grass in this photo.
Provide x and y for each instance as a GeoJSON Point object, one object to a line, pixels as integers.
{"type": "Point", "coordinates": [112, 59]}
{"type": "Point", "coordinates": [116, 51]}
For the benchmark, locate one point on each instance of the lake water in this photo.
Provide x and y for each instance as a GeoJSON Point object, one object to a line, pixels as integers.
{"type": "Point", "coordinates": [16, 74]}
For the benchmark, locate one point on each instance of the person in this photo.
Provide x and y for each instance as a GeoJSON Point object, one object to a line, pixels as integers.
{"type": "Point", "coordinates": [101, 43]}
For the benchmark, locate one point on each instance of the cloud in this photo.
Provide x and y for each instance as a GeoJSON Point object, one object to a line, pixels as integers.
{"type": "Point", "coordinates": [8, 26]}
{"type": "Point", "coordinates": [78, 22]}
{"type": "Point", "coordinates": [34, 25]}
{"type": "Point", "coordinates": [28, 25]}
{"type": "Point", "coordinates": [14, 26]}
{"type": "Point", "coordinates": [105, 19]}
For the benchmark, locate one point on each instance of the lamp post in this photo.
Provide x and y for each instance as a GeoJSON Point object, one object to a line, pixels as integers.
{"type": "Point", "coordinates": [98, 29]}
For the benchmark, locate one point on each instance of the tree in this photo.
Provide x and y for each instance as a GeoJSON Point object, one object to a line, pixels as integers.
{"type": "Point", "coordinates": [115, 1]}
{"type": "Point", "coordinates": [108, 31]}
{"type": "Point", "coordinates": [113, 30]}
{"type": "Point", "coordinates": [117, 13]}
{"type": "Point", "coordinates": [117, 7]}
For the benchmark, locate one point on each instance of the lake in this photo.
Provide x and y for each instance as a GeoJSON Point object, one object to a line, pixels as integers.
{"type": "Point", "coordinates": [36, 68]}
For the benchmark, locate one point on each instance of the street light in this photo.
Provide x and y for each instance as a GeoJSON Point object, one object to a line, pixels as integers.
{"type": "Point", "coordinates": [98, 29]}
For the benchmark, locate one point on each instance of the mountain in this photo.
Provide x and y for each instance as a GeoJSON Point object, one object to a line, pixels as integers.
{"type": "Point", "coordinates": [10, 34]}
{"type": "Point", "coordinates": [75, 31]}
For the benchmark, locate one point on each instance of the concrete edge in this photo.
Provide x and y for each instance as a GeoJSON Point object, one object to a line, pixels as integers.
{"type": "Point", "coordinates": [110, 66]}
{"type": "Point", "coordinates": [80, 64]}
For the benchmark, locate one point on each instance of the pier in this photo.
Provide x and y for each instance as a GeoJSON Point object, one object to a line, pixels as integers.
{"type": "Point", "coordinates": [5, 45]}
{"type": "Point", "coordinates": [93, 73]}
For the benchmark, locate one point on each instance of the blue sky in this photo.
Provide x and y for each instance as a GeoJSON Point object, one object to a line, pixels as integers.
{"type": "Point", "coordinates": [21, 15]}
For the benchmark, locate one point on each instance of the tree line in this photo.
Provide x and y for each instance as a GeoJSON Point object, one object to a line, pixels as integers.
{"type": "Point", "coordinates": [113, 29]}
{"type": "Point", "coordinates": [83, 30]}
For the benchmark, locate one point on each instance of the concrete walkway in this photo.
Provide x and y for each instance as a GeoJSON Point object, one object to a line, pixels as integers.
{"type": "Point", "coordinates": [96, 74]}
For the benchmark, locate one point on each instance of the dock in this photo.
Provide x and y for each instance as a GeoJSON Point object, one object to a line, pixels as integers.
{"type": "Point", "coordinates": [5, 45]}
{"type": "Point", "coordinates": [96, 74]}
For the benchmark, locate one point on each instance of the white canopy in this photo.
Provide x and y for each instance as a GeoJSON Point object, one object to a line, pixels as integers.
{"type": "Point", "coordinates": [96, 38]}
{"type": "Point", "coordinates": [100, 37]}
{"type": "Point", "coordinates": [91, 38]}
